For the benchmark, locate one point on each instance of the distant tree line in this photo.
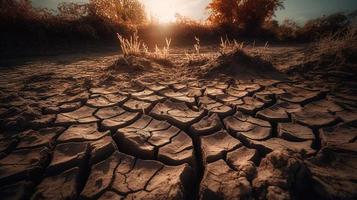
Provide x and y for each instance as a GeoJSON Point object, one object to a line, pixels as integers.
{"type": "Point", "coordinates": [95, 19]}
{"type": "Point", "coordinates": [256, 18]}
{"type": "Point", "coordinates": [23, 24]}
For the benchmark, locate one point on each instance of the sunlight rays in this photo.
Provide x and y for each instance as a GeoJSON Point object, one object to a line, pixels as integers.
{"type": "Point", "coordinates": [163, 11]}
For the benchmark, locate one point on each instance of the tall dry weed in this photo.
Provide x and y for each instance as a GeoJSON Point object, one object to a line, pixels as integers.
{"type": "Point", "coordinates": [130, 46]}
{"type": "Point", "coordinates": [226, 46]}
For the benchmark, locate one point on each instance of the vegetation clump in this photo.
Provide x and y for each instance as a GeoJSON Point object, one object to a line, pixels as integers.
{"type": "Point", "coordinates": [131, 46]}
{"type": "Point", "coordinates": [248, 15]}
{"type": "Point", "coordinates": [137, 57]}
{"type": "Point", "coordinates": [239, 64]}
{"type": "Point", "coordinates": [332, 53]}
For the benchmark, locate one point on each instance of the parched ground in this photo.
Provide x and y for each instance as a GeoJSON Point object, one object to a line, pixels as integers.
{"type": "Point", "coordinates": [77, 127]}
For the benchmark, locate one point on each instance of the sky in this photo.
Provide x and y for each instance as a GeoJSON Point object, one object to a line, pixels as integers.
{"type": "Point", "coordinates": [298, 10]}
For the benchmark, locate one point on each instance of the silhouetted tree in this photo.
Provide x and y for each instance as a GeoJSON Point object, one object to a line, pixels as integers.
{"type": "Point", "coordinates": [247, 14]}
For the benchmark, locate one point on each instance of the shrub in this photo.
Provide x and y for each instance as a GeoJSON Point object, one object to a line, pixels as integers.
{"type": "Point", "coordinates": [287, 31]}
{"type": "Point", "coordinates": [24, 25]}
{"type": "Point", "coordinates": [247, 14]}
{"type": "Point", "coordinates": [323, 26]}
{"type": "Point", "coordinates": [312, 30]}
{"type": "Point", "coordinates": [342, 48]}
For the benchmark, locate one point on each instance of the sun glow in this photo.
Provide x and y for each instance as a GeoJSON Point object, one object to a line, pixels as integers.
{"type": "Point", "coordinates": [163, 11]}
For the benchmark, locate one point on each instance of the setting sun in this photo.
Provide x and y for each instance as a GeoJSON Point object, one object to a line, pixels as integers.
{"type": "Point", "coordinates": [163, 11]}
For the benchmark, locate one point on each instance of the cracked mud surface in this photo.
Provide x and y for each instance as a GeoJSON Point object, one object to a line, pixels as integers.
{"type": "Point", "coordinates": [79, 131]}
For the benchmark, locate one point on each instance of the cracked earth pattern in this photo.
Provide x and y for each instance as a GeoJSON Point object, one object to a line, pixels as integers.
{"type": "Point", "coordinates": [67, 135]}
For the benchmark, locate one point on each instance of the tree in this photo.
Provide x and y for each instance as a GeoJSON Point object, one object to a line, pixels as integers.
{"type": "Point", "coordinates": [118, 11]}
{"type": "Point", "coordinates": [247, 14]}
{"type": "Point", "coordinates": [20, 10]}
{"type": "Point", "coordinates": [72, 11]}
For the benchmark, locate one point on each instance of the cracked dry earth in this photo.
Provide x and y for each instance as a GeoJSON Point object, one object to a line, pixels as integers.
{"type": "Point", "coordinates": [73, 130]}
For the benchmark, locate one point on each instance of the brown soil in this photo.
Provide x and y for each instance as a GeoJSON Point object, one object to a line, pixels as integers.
{"type": "Point", "coordinates": [236, 127]}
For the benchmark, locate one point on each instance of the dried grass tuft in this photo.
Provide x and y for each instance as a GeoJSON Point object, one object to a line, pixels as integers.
{"type": "Point", "coordinates": [133, 46]}
{"type": "Point", "coordinates": [227, 46]}
{"type": "Point", "coordinates": [164, 52]}
{"type": "Point", "coordinates": [130, 46]}
{"type": "Point", "coordinates": [334, 43]}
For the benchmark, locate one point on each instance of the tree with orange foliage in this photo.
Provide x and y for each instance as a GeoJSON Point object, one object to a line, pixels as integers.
{"type": "Point", "coordinates": [246, 14]}
{"type": "Point", "coordinates": [119, 11]}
